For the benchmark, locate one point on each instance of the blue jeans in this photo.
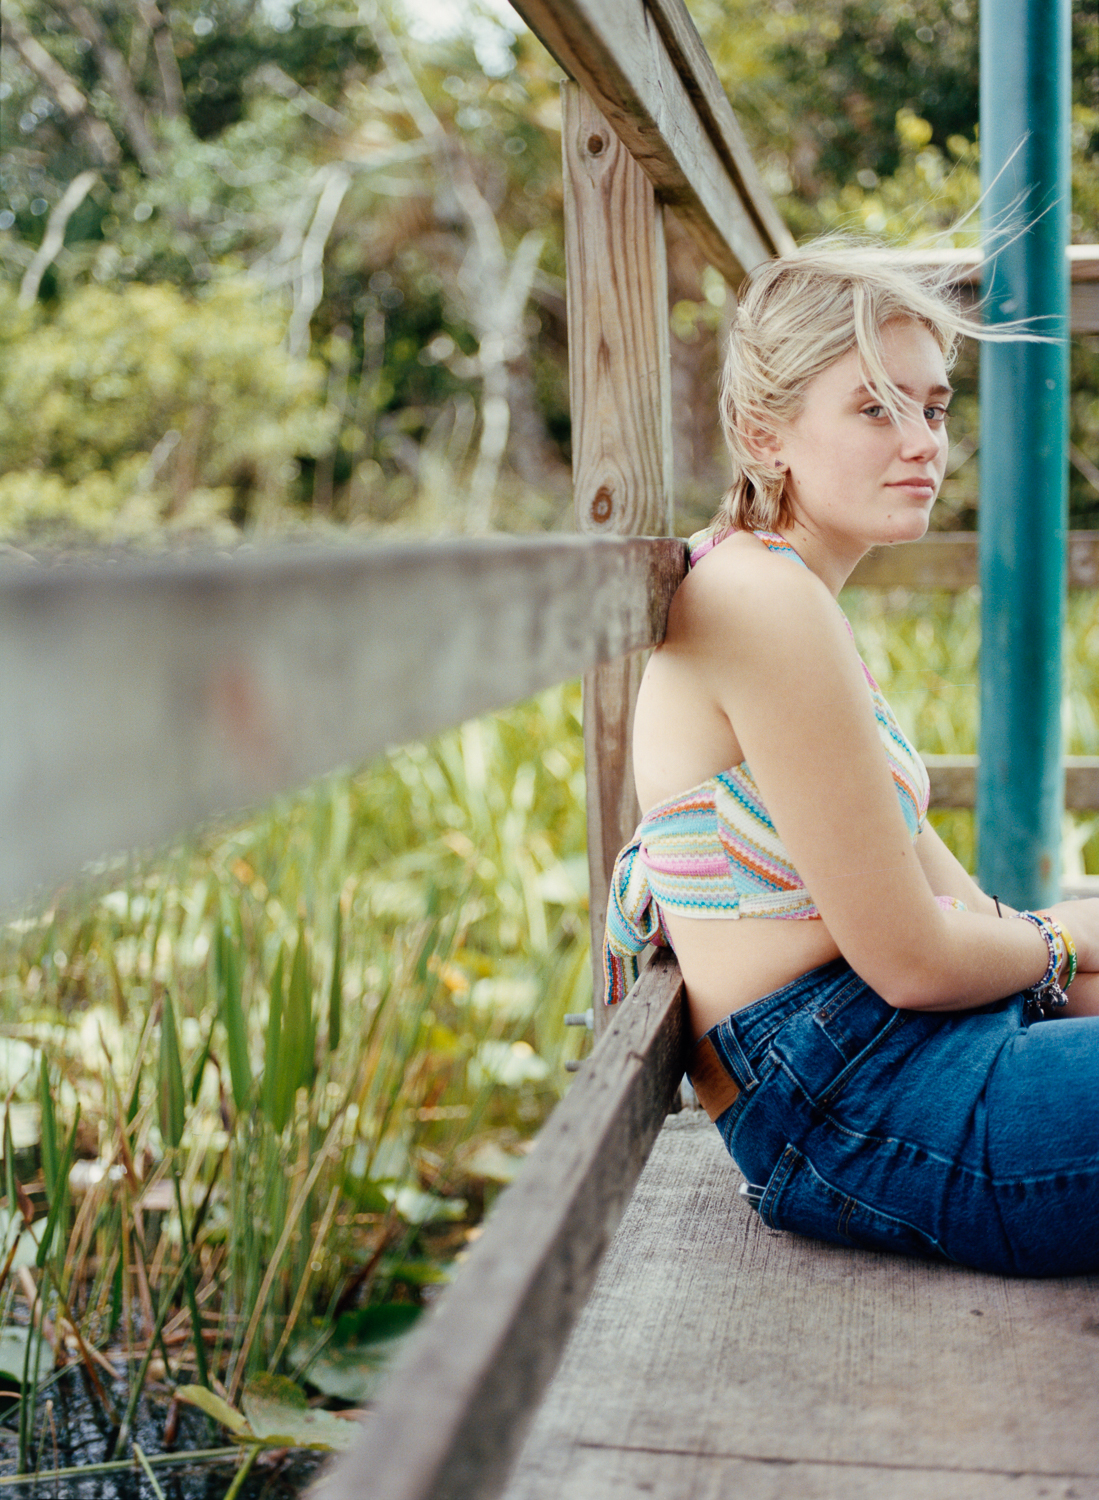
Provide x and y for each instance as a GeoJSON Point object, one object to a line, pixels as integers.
{"type": "Point", "coordinates": [967, 1136]}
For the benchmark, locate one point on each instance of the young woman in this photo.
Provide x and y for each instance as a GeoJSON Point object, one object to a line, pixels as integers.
{"type": "Point", "coordinates": [894, 1058]}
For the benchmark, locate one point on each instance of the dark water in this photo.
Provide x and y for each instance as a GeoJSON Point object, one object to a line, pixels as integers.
{"type": "Point", "coordinates": [85, 1436]}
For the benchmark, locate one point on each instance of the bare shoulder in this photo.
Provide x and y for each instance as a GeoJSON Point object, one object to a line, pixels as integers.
{"type": "Point", "coordinates": [744, 592]}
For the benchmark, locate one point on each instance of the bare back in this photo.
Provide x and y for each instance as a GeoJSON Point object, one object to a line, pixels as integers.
{"type": "Point", "coordinates": [682, 736]}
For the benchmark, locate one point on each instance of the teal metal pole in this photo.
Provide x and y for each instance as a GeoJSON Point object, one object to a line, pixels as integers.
{"type": "Point", "coordinates": [1025, 80]}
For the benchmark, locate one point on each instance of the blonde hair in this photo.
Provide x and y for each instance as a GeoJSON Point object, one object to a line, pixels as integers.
{"type": "Point", "coordinates": [795, 318]}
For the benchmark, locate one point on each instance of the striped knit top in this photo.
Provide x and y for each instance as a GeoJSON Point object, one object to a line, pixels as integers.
{"type": "Point", "coordinates": [713, 851]}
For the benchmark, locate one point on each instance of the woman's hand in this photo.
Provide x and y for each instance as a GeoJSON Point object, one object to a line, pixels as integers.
{"type": "Point", "coordinates": [1081, 920]}
{"type": "Point", "coordinates": [1083, 996]}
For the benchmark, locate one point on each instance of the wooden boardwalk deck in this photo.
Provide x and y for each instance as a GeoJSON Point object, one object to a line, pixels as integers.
{"type": "Point", "coordinates": [717, 1358]}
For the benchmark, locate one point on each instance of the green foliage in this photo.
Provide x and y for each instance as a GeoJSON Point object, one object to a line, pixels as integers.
{"type": "Point", "coordinates": [236, 178]}
{"type": "Point", "coordinates": [311, 1177]}
{"type": "Point", "coordinates": [48, 1119]}
{"type": "Point", "coordinates": [129, 406]}
{"type": "Point", "coordinates": [924, 652]}
{"type": "Point", "coordinates": [298, 1041]}
{"type": "Point", "coordinates": [228, 967]}
{"type": "Point", "coordinates": [276, 1094]}
{"type": "Point", "coordinates": [170, 1081]}
{"type": "Point", "coordinates": [827, 91]}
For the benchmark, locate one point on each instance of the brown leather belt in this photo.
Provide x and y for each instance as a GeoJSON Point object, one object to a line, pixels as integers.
{"type": "Point", "coordinates": [715, 1089]}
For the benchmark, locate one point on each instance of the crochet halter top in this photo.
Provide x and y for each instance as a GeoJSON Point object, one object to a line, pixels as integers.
{"type": "Point", "coordinates": [713, 851]}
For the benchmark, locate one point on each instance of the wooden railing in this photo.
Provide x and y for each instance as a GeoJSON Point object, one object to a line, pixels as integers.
{"type": "Point", "coordinates": [136, 700]}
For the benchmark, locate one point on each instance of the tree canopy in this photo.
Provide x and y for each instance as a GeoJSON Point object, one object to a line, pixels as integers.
{"type": "Point", "coordinates": [270, 263]}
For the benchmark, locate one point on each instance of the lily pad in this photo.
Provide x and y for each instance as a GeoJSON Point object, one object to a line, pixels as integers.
{"type": "Point", "coordinates": [280, 1417]}
{"type": "Point", "coordinates": [417, 1207]}
{"type": "Point", "coordinates": [275, 1414]}
{"type": "Point", "coordinates": [507, 1063]}
{"type": "Point", "coordinates": [377, 1324]}
{"type": "Point", "coordinates": [352, 1372]}
{"type": "Point", "coordinates": [418, 1272]}
{"type": "Point", "coordinates": [13, 1353]}
{"type": "Point", "coordinates": [353, 1367]}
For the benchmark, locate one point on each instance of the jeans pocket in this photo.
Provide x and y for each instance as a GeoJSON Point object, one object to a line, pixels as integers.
{"type": "Point", "coordinates": [798, 1198]}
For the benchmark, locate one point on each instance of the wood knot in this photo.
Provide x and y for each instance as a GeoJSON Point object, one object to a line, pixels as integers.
{"type": "Point", "coordinates": [602, 505]}
{"type": "Point", "coordinates": [597, 144]}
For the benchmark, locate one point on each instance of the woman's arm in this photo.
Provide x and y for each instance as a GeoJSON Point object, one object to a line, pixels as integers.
{"type": "Point", "coordinates": [771, 641]}
{"type": "Point", "coordinates": [948, 877]}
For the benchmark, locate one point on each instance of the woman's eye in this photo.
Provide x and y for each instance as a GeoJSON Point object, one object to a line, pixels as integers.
{"type": "Point", "coordinates": [935, 413]}
{"type": "Point", "coordinates": [874, 411]}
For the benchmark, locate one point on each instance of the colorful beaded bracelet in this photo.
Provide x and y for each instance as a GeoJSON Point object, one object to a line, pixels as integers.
{"type": "Point", "coordinates": [1065, 946]}
{"type": "Point", "coordinates": [1047, 991]}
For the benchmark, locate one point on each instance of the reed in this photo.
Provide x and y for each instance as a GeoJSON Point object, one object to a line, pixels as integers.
{"type": "Point", "coordinates": [306, 1049]}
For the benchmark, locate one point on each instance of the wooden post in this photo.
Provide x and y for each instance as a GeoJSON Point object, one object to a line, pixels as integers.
{"type": "Point", "coordinates": [620, 394]}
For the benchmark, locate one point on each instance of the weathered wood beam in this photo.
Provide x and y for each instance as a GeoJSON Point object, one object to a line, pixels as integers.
{"type": "Point", "coordinates": [138, 699]}
{"type": "Point", "coordinates": [645, 69]}
{"type": "Point", "coordinates": [453, 1417]}
{"type": "Point", "coordinates": [1083, 266]}
{"type": "Point", "coordinates": [620, 395]}
{"type": "Point", "coordinates": [965, 266]}
{"type": "Point", "coordinates": [954, 781]}
{"type": "Point", "coordinates": [948, 560]}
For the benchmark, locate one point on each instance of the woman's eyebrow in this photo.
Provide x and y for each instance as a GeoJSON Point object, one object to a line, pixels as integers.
{"type": "Point", "coordinates": [906, 390]}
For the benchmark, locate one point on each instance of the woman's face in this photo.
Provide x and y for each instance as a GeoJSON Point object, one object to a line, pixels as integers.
{"type": "Point", "coordinates": [856, 478]}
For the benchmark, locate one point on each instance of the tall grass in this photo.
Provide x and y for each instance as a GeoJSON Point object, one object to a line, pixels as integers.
{"type": "Point", "coordinates": [924, 651]}
{"type": "Point", "coordinates": [308, 1049]}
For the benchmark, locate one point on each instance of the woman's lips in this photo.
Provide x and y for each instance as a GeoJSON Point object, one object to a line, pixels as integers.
{"type": "Point", "coordinates": [914, 486]}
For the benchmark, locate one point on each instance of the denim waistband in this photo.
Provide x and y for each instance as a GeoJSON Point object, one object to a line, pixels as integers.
{"type": "Point", "coordinates": [742, 1038]}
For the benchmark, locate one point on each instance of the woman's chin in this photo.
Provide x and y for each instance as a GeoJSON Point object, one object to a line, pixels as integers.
{"type": "Point", "coordinates": [905, 526]}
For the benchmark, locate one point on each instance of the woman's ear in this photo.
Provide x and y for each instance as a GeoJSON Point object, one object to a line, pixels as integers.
{"type": "Point", "coordinates": [764, 445]}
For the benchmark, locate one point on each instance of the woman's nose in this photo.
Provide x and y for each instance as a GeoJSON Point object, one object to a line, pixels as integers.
{"type": "Point", "coordinates": [918, 438]}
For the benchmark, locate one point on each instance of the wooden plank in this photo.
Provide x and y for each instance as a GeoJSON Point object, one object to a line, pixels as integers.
{"type": "Point", "coordinates": [1084, 306]}
{"type": "Point", "coordinates": [643, 70]}
{"type": "Point", "coordinates": [948, 560]}
{"type": "Point", "coordinates": [954, 781]}
{"type": "Point", "coordinates": [715, 115]}
{"type": "Point", "coordinates": [804, 1371]}
{"type": "Point", "coordinates": [453, 1417]}
{"type": "Point", "coordinates": [620, 396]}
{"type": "Point", "coordinates": [610, 693]}
{"type": "Point", "coordinates": [619, 364]}
{"type": "Point", "coordinates": [1083, 557]}
{"type": "Point", "coordinates": [1084, 288]}
{"type": "Point", "coordinates": [966, 265]}
{"type": "Point", "coordinates": [604, 1473]}
{"type": "Point", "coordinates": [138, 699]}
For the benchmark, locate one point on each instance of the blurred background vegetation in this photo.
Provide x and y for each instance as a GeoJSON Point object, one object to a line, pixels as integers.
{"type": "Point", "coordinates": [278, 269]}
{"type": "Point", "coordinates": [269, 265]}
